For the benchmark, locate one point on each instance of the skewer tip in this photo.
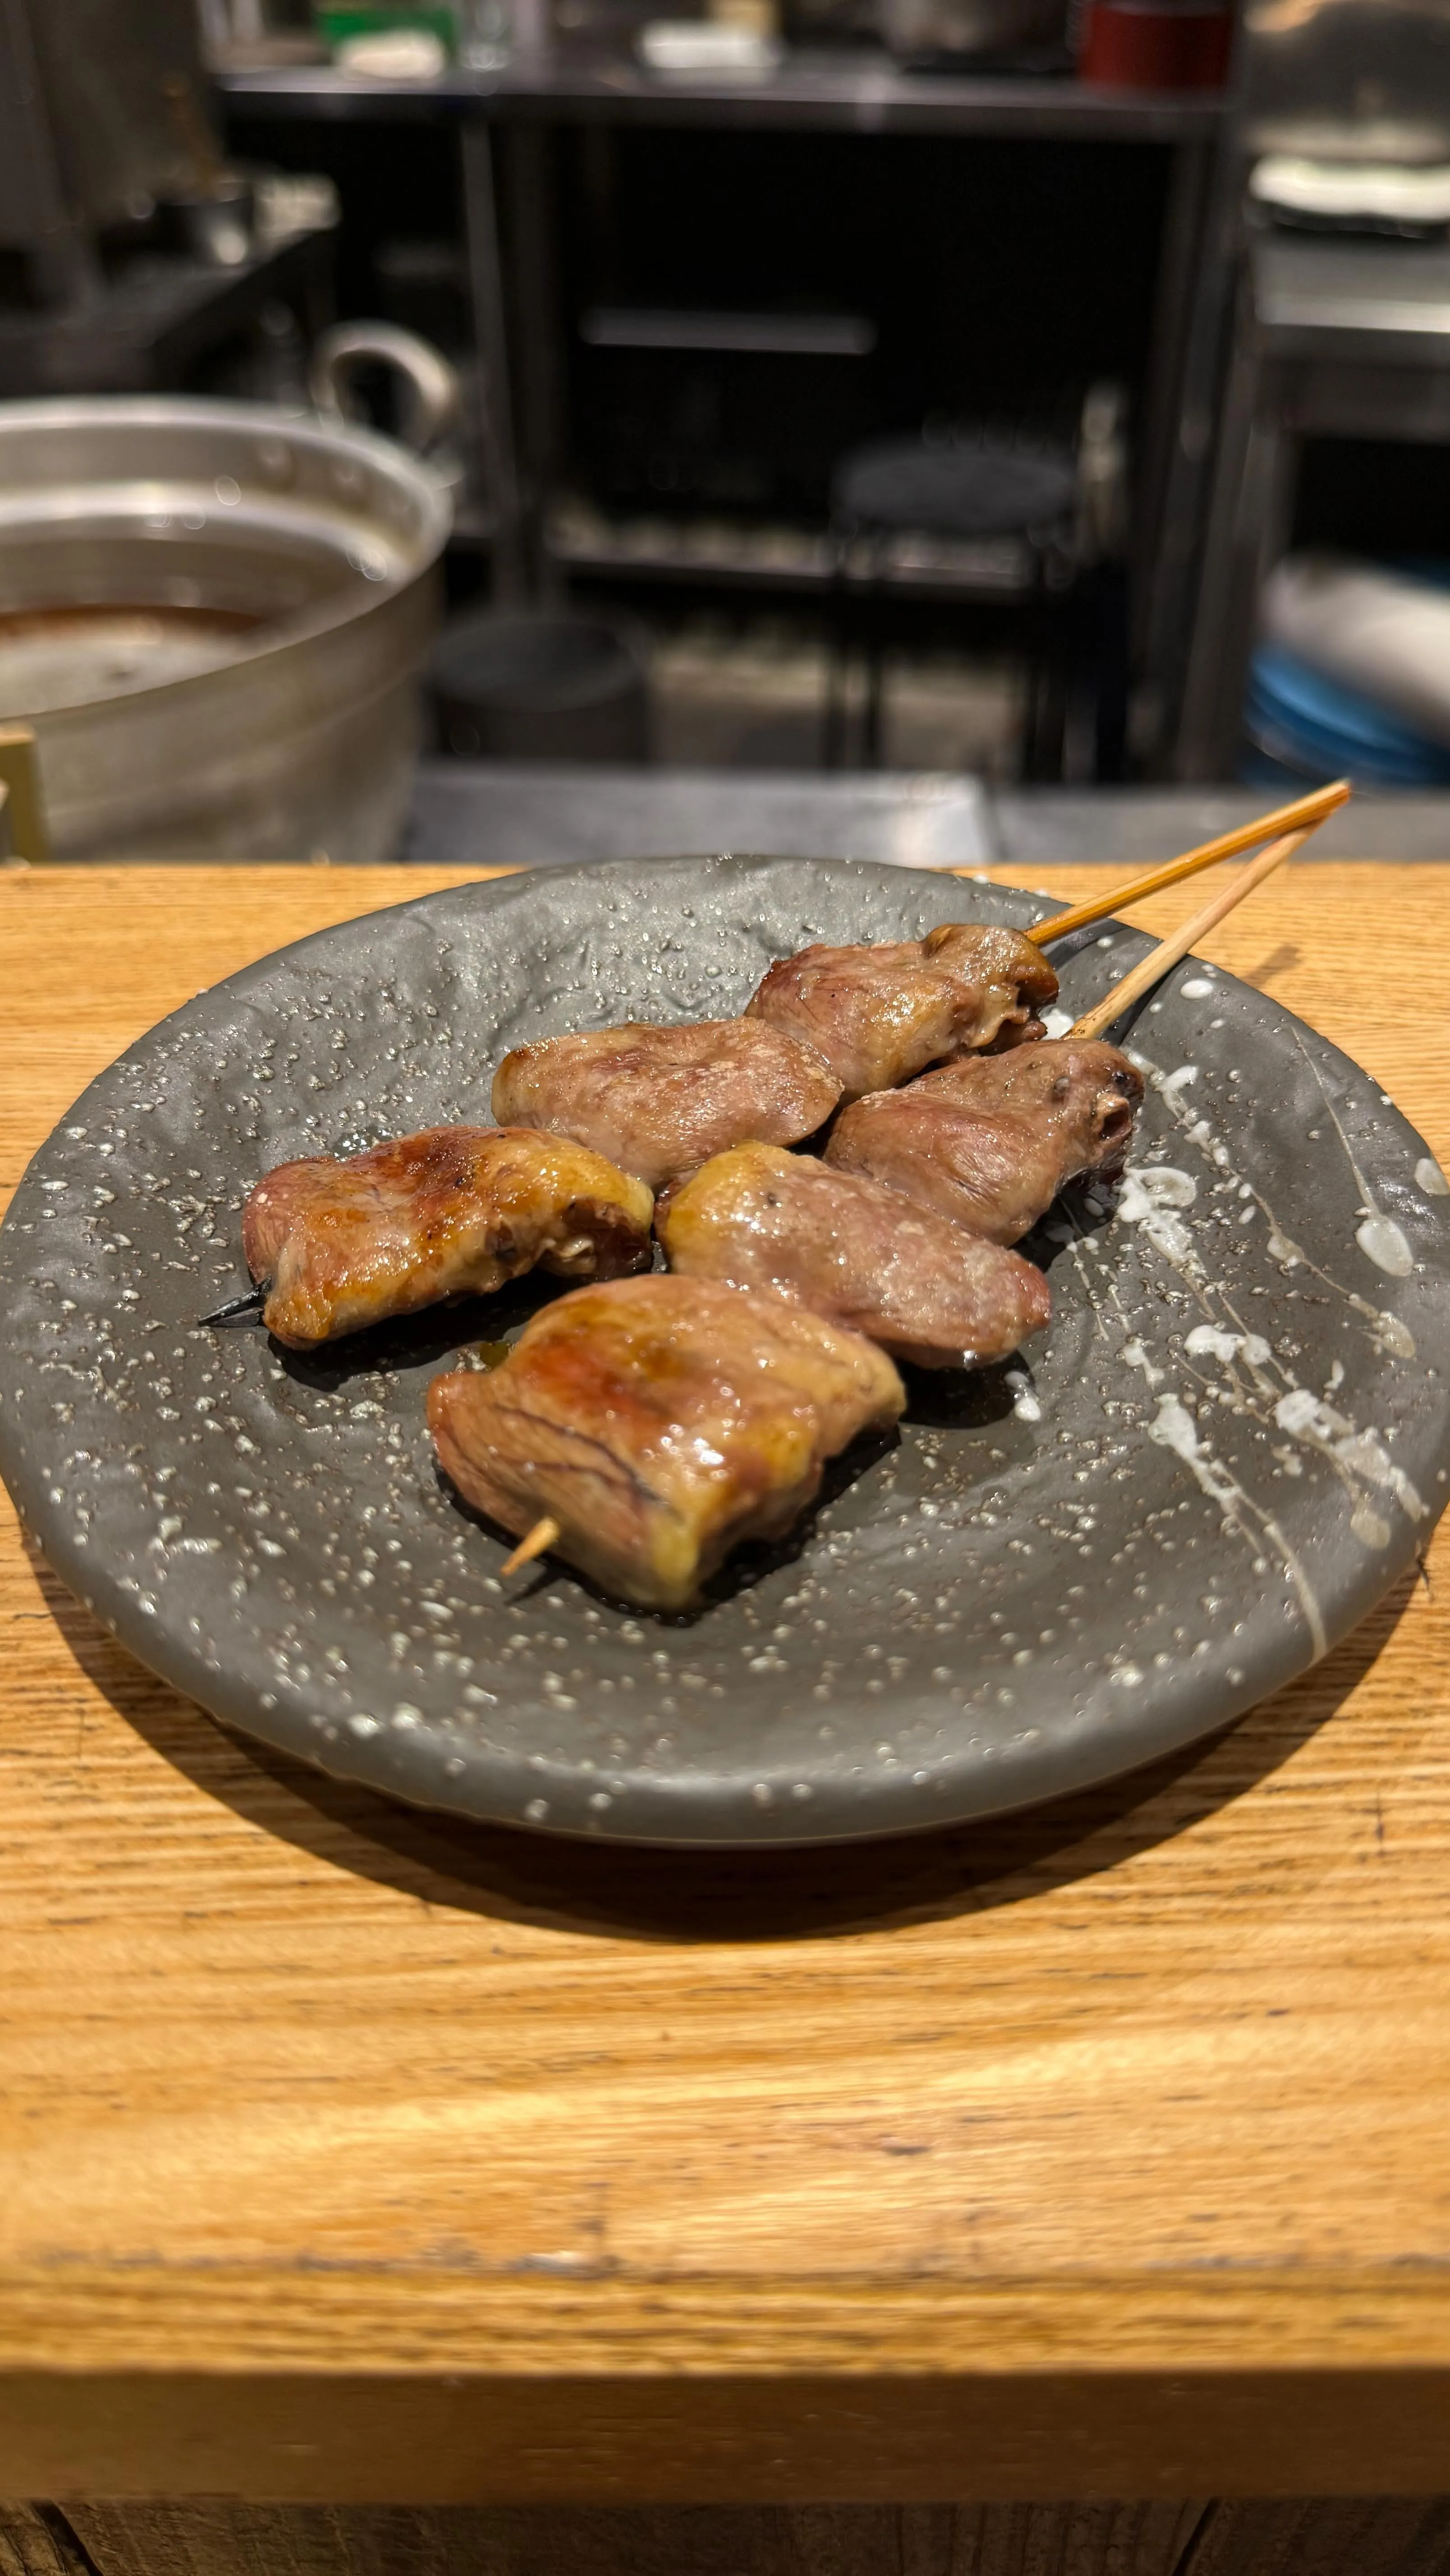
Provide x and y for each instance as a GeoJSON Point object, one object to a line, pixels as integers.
{"type": "Point", "coordinates": [252, 1304]}
{"type": "Point", "coordinates": [540, 1538]}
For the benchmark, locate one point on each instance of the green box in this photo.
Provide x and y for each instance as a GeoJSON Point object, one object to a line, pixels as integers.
{"type": "Point", "coordinates": [337, 25]}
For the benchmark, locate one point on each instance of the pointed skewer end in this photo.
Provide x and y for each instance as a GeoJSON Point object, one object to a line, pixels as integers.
{"type": "Point", "coordinates": [232, 1313]}
{"type": "Point", "coordinates": [540, 1538]}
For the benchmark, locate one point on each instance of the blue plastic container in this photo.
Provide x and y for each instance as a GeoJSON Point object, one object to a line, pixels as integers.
{"type": "Point", "coordinates": [1301, 726]}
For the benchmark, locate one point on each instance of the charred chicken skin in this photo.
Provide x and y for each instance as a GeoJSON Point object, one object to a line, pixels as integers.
{"type": "Point", "coordinates": [659, 1422]}
{"type": "Point", "coordinates": [990, 1140]}
{"type": "Point", "coordinates": [660, 1101]}
{"type": "Point", "coordinates": [855, 1251]}
{"type": "Point", "coordinates": [451, 1212]}
{"type": "Point", "coordinates": [878, 1015]}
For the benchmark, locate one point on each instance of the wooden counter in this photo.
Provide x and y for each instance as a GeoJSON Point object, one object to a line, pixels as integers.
{"type": "Point", "coordinates": [350, 2155]}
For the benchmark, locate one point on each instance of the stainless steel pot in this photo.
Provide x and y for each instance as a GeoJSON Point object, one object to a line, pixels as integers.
{"type": "Point", "coordinates": [215, 616]}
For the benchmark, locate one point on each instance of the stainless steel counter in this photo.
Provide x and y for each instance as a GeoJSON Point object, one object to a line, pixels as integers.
{"type": "Point", "coordinates": [504, 816]}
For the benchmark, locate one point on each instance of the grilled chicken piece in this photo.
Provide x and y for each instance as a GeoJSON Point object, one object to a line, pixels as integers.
{"type": "Point", "coordinates": [991, 1140]}
{"type": "Point", "coordinates": [878, 1015]}
{"type": "Point", "coordinates": [451, 1212]}
{"type": "Point", "coordinates": [659, 1422]}
{"type": "Point", "coordinates": [851, 1249]}
{"type": "Point", "coordinates": [661, 1101]}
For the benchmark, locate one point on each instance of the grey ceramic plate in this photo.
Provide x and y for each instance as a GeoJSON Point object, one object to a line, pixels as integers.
{"type": "Point", "coordinates": [1231, 1443]}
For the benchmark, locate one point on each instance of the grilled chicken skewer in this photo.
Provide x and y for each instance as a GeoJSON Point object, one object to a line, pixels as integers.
{"type": "Point", "coordinates": [450, 1212]}
{"type": "Point", "coordinates": [661, 1101]}
{"type": "Point", "coordinates": [826, 1025]}
{"type": "Point", "coordinates": [657, 1423]}
{"type": "Point", "coordinates": [849, 1248]}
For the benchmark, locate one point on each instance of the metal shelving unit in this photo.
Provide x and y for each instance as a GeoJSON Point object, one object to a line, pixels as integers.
{"type": "Point", "coordinates": [502, 124]}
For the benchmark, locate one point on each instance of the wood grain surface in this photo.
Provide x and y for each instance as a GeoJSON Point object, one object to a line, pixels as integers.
{"type": "Point", "coordinates": [1372, 2536]}
{"type": "Point", "coordinates": [348, 2154]}
{"type": "Point", "coordinates": [1302, 2536]}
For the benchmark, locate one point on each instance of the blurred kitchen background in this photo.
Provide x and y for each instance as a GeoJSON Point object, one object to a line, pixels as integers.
{"type": "Point", "coordinates": [1036, 397]}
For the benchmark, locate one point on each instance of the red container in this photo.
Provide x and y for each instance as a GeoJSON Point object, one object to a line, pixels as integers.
{"type": "Point", "coordinates": [1153, 44]}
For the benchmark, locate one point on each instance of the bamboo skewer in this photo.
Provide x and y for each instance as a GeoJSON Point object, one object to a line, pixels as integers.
{"type": "Point", "coordinates": [1304, 815]}
{"type": "Point", "coordinates": [1151, 969]}
{"type": "Point", "coordinates": [540, 1537]}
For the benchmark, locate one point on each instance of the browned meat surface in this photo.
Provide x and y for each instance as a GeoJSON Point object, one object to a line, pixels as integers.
{"type": "Point", "coordinates": [661, 1101]}
{"type": "Point", "coordinates": [991, 1140]}
{"type": "Point", "coordinates": [854, 1250]}
{"type": "Point", "coordinates": [878, 1015]}
{"type": "Point", "coordinates": [659, 1422]}
{"type": "Point", "coordinates": [454, 1211]}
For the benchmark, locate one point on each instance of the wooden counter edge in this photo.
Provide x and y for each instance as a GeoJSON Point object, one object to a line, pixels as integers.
{"type": "Point", "coordinates": [627, 2391]}
{"type": "Point", "coordinates": [429, 2440]}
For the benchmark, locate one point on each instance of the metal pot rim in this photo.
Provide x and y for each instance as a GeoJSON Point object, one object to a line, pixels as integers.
{"type": "Point", "coordinates": [326, 440]}
{"type": "Point", "coordinates": [207, 411]}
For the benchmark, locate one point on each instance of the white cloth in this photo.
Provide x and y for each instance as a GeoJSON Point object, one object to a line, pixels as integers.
{"type": "Point", "coordinates": [1373, 630]}
{"type": "Point", "coordinates": [396, 53]}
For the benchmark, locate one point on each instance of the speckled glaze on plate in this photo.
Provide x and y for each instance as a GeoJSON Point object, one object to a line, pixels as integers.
{"type": "Point", "coordinates": [1230, 1444]}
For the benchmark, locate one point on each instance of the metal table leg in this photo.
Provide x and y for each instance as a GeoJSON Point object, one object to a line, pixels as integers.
{"type": "Point", "coordinates": [1247, 530]}
{"type": "Point", "coordinates": [500, 477]}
